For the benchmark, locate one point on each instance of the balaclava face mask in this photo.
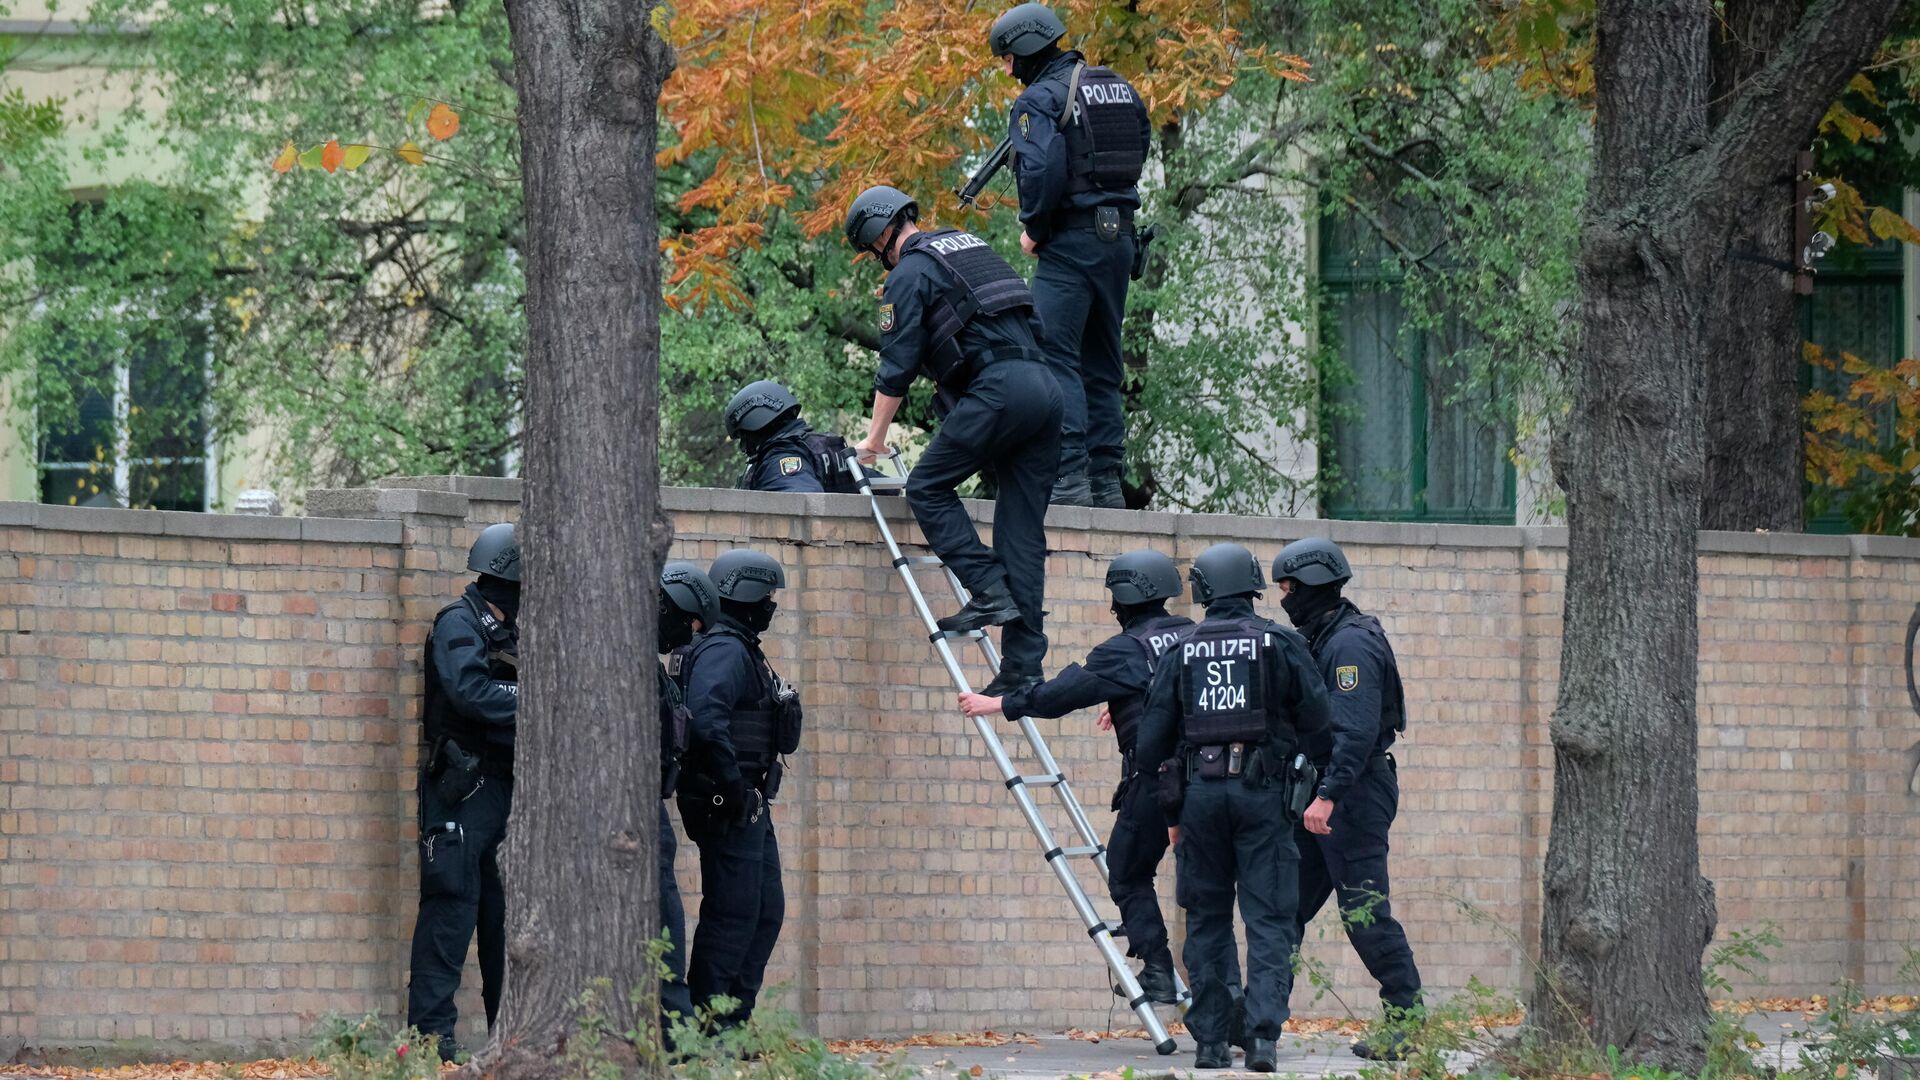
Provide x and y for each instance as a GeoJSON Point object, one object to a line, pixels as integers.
{"type": "Point", "coordinates": [676, 626]}
{"type": "Point", "coordinates": [502, 594]}
{"type": "Point", "coordinates": [1306, 602]}
{"type": "Point", "coordinates": [1028, 68]}
{"type": "Point", "coordinates": [756, 616]}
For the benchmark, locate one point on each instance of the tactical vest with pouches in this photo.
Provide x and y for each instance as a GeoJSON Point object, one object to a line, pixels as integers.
{"type": "Point", "coordinates": [675, 718]}
{"type": "Point", "coordinates": [1152, 637]}
{"type": "Point", "coordinates": [751, 726]}
{"type": "Point", "coordinates": [1106, 148]}
{"type": "Point", "coordinates": [1225, 674]}
{"type": "Point", "coordinates": [827, 453]}
{"type": "Point", "coordinates": [981, 283]}
{"type": "Point", "coordinates": [1393, 695]}
{"type": "Point", "coordinates": [437, 715]}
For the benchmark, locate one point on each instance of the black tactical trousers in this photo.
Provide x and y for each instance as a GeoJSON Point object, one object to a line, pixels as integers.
{"type": "Point", "coordinates": [1236, 837]}
{"type": "Point", "coordinates": [1007, 425]}
{"type": "Point", "coordinates": [1134, 851]}
{"type": "Point", "coordinates": [1080, 291]}
{"type": "Point", "coordinates": [742, 906]}
{"type": "Point", "coordinates": [1353, 862]}
{"type": "Point", "coordinates": [460, 893]}
{"type": "Point", "coordinates": [674, 996]}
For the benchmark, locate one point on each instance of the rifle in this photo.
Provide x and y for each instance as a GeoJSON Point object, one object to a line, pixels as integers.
{"type": "Point", "coordinates": [984, 175]}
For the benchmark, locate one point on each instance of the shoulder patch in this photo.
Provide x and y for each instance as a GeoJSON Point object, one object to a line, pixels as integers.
{"type": "Point", "coordinates": [1025, 119]}
{"type": "Point", "coordinates": [1346, 678]}
{"type": "Point", "coordinates": [886, 318]}
{"type": "Point", "coordinates": [790, 466]}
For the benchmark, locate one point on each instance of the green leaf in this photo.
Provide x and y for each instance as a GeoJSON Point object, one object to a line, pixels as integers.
{"type": "Point", "coordinates": [419, 106]}
{"type": "Point", "coordinates": [310, 158]}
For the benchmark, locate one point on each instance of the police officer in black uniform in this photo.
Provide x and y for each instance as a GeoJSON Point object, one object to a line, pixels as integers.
{"type": "Point", "coordinates": [1080, 139]}
{"type": "Point", "coordinates": [742, 718]}
{"type": "Point", "coordinates": [688, 604]}
{"type": "Point", "coordinates": [466, 787]}
{"type": "Point", "coordinates": [955, 310]}
{"type": "Point", "coordinates": [1117, 672]}
{"type": "Point", "coordinates": [1233, 703]}
{"type": "Point", "coordinates": [1343, 837]}
{"type": "Point", "coordinates": [764, 418]}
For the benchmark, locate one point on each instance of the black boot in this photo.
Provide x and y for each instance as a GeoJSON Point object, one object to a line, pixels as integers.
{"type": "Point", "coordinates": [1009, 682]}
{"type": "Point", "coordinates": [452, 1051]}
{"type": "Point", "coordinates": [1212, 1056]}
{"type": "Point", "coordinates": [1386, 1046]}
{"type": "Point", "coordinates": [1263, 1056]}
{"type": "Point", "coordinates": [991, 606]}
{"type": "Point", "coordinates": [1156, 981]}
{"type": "Point", "coordinates": [1071, 489]}
{"type": "Point", "coordinates": [1104, 484]}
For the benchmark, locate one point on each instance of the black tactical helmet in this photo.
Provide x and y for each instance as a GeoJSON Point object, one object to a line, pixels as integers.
{"type": "Point", "coordinates": [1224, 570]}
{"type": "Point", "coordinates": [1025, 30]}
{"type": "Point", "coordinates": [1313, 561]}
{"type": "Point", "coordinates": [496, 552]}
{"type": "Point", "coordinates": [747, 576]}
{"type": "Point", "coordinates": [757, 406]}
{"type": "Point", "coordinates": [873, 212]}
{"type": "Point", "coordinates": [688, 588]}
{"type": "Point", "coordinates": [1141, 577]}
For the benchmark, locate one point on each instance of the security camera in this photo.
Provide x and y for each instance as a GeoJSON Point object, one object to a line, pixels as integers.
{"type": "Point", "coordinates": [1822, 194]}
{"type": "Point", "coordinates": [1817, 248]}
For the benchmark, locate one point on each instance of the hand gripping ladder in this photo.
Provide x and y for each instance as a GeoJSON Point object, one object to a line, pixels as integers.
{"type": "Point", "coordinates": [1050, 776]}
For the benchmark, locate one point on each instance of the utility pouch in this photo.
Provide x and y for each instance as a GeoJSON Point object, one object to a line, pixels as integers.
{"type": "Point", "coordinates": [1211, 762]}
{"type": "Point", "coordinates": [786, 719]}
{"type": "Point", "coordinates": [1106, 223]}
{"type": "Point", "coordinates": [1170, 787]}
{"type": "Point", "coordinates": [455, 773]}
{"type": "Point", "coordinates": [776, 773]}
{"type": "Point", "coordinates": [1303, 778]}
{"type": "Point", "coordinates": [1120, 793]}
{"type": "Point", "coordinates": [1141, 240]}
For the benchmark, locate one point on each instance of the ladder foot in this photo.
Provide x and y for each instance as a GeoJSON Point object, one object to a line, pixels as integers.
{"type": "Point", "coordinates": [1167, 1047]}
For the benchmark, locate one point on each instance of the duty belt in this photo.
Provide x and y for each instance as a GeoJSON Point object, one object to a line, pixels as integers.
{"type": "Point", "coordinates": [1085, 219]}
{"type": "Point", "coordinates": [1007, 354]}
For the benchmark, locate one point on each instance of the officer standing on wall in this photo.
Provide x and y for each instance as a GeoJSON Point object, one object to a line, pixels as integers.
{"type": "Point", "coordinates": [957, 311]}
{"type": "Point", "coordinates": [1343, 837]}
{"type": "Point", "coordinates": [764, 418]}
{"type": "Point", "coordinates": [1117, 672]}
{"type": "Point", "coordinates": [1080, 139]}
{"type": "Point", "coordinates": [742, 717]}
{"type": "Point", "coordinates": [1228, 711]}
{"type": "Point", "coordinates": [472, 682]}
{"type": "Point", "coordinates": [688, 604]}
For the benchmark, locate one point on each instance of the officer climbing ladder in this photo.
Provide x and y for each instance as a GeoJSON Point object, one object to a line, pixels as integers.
{"type": "Point", "coordinates": [1058, 857]}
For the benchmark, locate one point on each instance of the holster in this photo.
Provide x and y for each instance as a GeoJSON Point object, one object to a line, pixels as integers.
{"type": "Point", "coordinates": [1170, 787]}
{"type": "Point", "coordinates": [1302, 780]}
{"type": "Point", "coordinates": [454, 773]}
{"type": "Point", "coordinates": [1141, 240]}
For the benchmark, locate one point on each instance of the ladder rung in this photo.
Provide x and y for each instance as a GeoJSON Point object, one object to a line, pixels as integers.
{"type": "Point", "coordinates": [1094, 850]}
{"type": "Point", "coordinates": [918, 560]}
{"type": "Point", "coordinates": [1036, 781]}
{"type": "Point", "coordinates": [886, 483]}
{"type": "Point", "coordinates": [951, 635]}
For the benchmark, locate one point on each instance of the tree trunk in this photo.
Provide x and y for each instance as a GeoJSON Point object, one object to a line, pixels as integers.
{"type": "Point", "coordinates": [1627, 912]}
{"type": "Point", "coordinates": [579, 866]}
{"type": "Point", "coordinates": [1756, 458]}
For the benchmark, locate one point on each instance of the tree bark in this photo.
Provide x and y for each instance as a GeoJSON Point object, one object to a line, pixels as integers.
{"type": "Point", "coordinates": [1627, 913]}
{"type": "Point", "coordinates": [1756, 458]}
{"type": "Point", "coordinates": [579, 866]}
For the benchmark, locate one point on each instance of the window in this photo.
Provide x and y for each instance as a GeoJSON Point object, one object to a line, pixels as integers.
{"type": "Point", "coordinates": [1857, 307]}
{"type": "Point", "coordinates": [131, 427]}
{"type": "Point", "coordinates": [1405, 437]}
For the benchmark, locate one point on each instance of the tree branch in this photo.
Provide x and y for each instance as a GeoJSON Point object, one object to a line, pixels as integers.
{"type": "Point", "coordinates": [1774, 114]}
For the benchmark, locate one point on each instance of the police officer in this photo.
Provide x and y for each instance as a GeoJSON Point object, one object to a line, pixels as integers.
{"type": "Point", "coordinates": [1236, 700]}
{"type": "Point", "coordinates": [1080, 138]}
{"type": "Point", "coordinates": [1343, 837]}
{"type": "Point", "coordinates": [688, 604]}
{"type": "Point", "coordinates": [466, 787]}
{"type": "Point", "coordinates": [742, 717]}
{"type": "Point", "coordinates": [955, 310]}
{"type": "Point", "coordinates": [1117, 672]}
{"type": "Point", "coordinates": [764, 418]}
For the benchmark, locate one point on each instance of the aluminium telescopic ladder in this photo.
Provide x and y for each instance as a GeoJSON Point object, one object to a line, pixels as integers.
{"type": "Point", "coordinates": [1099, 930]}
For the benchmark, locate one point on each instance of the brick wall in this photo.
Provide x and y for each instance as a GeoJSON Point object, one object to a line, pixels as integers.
{"type": "Point", "coordinates": [208, 725]}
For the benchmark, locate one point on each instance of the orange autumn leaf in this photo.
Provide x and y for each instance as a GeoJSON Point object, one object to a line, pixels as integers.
{"type": "Point", "coordinates": [442, 122]}
{"type": "Point", "coordinates": [288, 155]}
{"type": "Point", "coordinates": [331, 155]}
{"type": "Point", "coordinates": [411, 153]}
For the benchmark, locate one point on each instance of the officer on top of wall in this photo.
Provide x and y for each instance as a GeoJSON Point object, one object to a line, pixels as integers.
{"type": "Point", "coordinates": [1080, 140]}
{"type": "Point", "coordinates": [783, 451]}
{"type": "Point", "coordinates": [955, 310]}
{"type": "Point", "coordinates": [466, 788]}
{"type": "Point", "coordinates": [1230, 707]}
{"type": "Point", "coordinates": [1117, 672]}
{"type": "Point", "coordinates": [1343, 837]}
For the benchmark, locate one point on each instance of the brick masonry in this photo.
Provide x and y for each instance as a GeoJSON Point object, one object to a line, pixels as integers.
{"type": "Point", "coordinates": [209, 731]}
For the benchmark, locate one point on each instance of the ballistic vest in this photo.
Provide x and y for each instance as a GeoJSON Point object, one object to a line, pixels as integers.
{"type": "Point", "coordinates": [982, 284]}
{"type": "Point", "coordinates": [749, 726]}
{"type": "Point", "coordinates": [437, 714]}
{"type": "Point", "coordinates": [1152, 636]}
{"type": "Point", "coordinates": [1106, 148]}
{"type": "Point", "coordinates": [674, 719]}
{"type": "Point", "coordinates": [1393, 696]}
{"type": "Point", "coordinates": [1226, 667]}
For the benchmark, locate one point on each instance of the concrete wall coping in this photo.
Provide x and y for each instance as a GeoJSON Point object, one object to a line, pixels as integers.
{"type": "Point", "coordinates": [480, 488]}
{"type": "Point", "coordinates": [385, 502]}
{"type": "Point", "coordinates": [89, 519]}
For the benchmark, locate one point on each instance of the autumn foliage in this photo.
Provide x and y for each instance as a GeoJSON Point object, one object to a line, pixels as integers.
{"type": "Point", "coordinates": [441, 122]}
{"type": "Point", "coordinates": [793, 108]}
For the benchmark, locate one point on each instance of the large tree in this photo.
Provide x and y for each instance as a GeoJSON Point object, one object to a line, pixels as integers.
{"type": "Point", "coordinates": [581, 891]}
{"type": "Point", "coordinates": [1628, 913]}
